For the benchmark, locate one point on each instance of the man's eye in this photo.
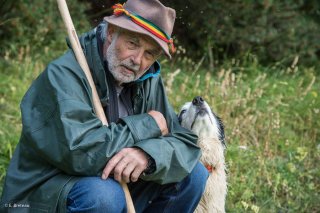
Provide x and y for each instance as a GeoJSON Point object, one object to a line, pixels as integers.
{"type": "Point", "coordinates": [132, 44]}
{"type": "Point", "coordinates": [150, 55]}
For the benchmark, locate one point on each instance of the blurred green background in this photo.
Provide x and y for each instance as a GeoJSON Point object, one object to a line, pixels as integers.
{"type": "Point", "coordinates": [257, 63]}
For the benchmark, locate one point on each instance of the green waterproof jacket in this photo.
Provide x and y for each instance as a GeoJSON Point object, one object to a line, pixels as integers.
{"type": "Point", "coordinates": [62, 139]}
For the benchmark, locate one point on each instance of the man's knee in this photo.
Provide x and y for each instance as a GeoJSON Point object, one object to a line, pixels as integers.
{"type": "Point", "coordinates": [197, 179]}
{"type": "Point", "coordinates": [95, 194]}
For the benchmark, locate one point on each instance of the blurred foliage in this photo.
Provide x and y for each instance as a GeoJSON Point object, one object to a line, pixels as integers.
{"type": "Point", "coordinates": [272, 30]}
{"type": "Point", "coordinates": [218, 29]}
{"type": "Point", "coordinates": [215, 30]}
{"type": "Point", "coordinates": [5, 7]}
{"type": "Point", "coordinates": [31, 35]}
{"type": "Point", "coordinates": [37, 25]}
{"type": "Point", "coordinates": [272, 130]}
{"type": "Point", "coordinates": [271, 113]}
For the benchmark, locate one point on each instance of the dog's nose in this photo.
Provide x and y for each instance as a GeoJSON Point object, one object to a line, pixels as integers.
{"type": "Point", "coordinates": [198, 101]}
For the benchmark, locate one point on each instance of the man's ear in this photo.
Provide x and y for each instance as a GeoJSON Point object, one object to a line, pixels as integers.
{"type": "Point", "coordinates": [111, 30]}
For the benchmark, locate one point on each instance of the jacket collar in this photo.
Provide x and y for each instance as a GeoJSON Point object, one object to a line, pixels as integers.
{"type": "Point", "coordinates": [153, 71]}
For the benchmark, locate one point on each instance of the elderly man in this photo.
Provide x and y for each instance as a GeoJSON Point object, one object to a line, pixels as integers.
{"type": "Point", "coordinates": [67, 161]}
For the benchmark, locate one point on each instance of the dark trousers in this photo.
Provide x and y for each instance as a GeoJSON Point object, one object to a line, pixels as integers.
{"type": "Point", "coordinates": [92, 194]}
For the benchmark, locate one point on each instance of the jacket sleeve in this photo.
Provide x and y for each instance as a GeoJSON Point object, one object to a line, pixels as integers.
{"type": "Point", "coordinates": [60, 125]}
{"type": "Point", "coordinates": [175, 154]}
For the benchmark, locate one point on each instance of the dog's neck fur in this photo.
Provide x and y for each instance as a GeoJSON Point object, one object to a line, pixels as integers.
{"type": "Point", "coordinates": [205, 127]}
{"type": "Point", "coordinates": [212, 152]}
{"type": "Point", "coordinates": [211, 141]}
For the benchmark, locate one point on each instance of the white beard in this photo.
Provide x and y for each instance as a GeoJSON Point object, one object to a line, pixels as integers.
{"type": "Point", "coordinates": [115, 65]}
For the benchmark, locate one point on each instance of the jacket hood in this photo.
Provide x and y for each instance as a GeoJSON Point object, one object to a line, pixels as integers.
{"type": "Point", "coordinates": [153, 71]}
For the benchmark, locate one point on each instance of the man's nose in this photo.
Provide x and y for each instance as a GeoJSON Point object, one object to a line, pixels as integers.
{"type": "Point", "coordinates": [137, 57]}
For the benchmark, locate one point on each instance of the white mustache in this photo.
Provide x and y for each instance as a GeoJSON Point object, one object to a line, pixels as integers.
{"type": "Point", "coordinates": [129, 65]}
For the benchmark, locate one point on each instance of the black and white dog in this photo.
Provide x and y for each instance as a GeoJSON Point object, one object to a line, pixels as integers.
{"type": "Point", "coordinates": [198, 117]}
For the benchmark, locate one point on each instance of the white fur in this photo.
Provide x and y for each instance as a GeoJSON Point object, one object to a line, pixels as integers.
{"type": "Point", "coordinates": [206, 127]}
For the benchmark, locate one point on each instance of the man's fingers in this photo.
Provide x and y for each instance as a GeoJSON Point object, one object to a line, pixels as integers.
{"type": "Point", "coordinates": [127, 172]}
{"type": "Point", "coordinates": [160, 120]}
{"type": "Point", "coordinates": [136, 174]}
{"type": "Point", "coordinates": [165, 131]}
{"type": "Point", "coordinates": [118, 170]}
{"type": "Point", "coordinates": [127, 165]}
{"type": "Point", "coordinates": [111, 165]}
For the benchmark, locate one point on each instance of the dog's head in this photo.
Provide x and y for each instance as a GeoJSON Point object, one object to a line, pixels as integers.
{"type": "Point", "coordinates": [198, 117]}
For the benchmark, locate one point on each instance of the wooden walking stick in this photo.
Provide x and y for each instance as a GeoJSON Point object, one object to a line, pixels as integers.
{"type": "Point", "coordinates": [75, 44]}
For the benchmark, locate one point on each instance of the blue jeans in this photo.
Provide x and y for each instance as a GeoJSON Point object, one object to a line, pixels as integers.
{"type": "Point", "coordinates": [92, 194]}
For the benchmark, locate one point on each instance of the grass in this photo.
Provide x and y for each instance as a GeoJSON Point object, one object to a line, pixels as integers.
{"type": "Point", "coordinates": [272, 124]}
{"type": "Point", "coordinates": [271, 117]}
{"type": "Point", "coordinates": [271, 114]}
{"type": "Point", "coordinates": [16, 76]}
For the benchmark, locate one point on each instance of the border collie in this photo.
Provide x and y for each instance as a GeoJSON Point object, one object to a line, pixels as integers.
{"type": "Point", "coordinates": [198, 117]}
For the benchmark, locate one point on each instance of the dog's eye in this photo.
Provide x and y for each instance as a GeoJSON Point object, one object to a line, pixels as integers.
{"type": "Point", "coordinates": [182, 112]}
{"type": "Point", "coordinates": [180, 115]}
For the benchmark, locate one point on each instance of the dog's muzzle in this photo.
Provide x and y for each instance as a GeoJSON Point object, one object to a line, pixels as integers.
{"type": "Point", "coordinates": [198, 102]}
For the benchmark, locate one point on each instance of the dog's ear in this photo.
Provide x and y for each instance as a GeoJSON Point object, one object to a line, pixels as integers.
{"type": "Point", "coordinates": [222, 137]}
{"type": "Point", "coordinates": [221, 131]}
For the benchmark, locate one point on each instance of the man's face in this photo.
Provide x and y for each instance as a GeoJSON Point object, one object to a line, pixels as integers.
{"type": "Point", "coordinates": [129, 54]}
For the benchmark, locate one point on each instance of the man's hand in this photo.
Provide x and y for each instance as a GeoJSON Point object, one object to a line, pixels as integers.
{"type": "Point", "coordinates": [161, 121]}
{"type": "Point", "coordinates": [126, 165]}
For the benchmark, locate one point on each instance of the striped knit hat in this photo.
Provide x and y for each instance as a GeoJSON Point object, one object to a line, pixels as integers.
{"type": "Point", "coordinates": [149, 17]}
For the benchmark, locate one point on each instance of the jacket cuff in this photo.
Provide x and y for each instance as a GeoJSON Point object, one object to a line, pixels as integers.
{"type": "Point", "coordinates": [148, 148]}
{"type": "Point", "coordinates": [142, 126]}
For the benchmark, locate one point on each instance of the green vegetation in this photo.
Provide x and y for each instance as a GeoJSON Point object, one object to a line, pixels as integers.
{"type": "Point", "coordinates": [271, 118]}
{"type": "Point", "coordinates": [271, 113]}
{"type": "Point", "coordinates": [273, 30]}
